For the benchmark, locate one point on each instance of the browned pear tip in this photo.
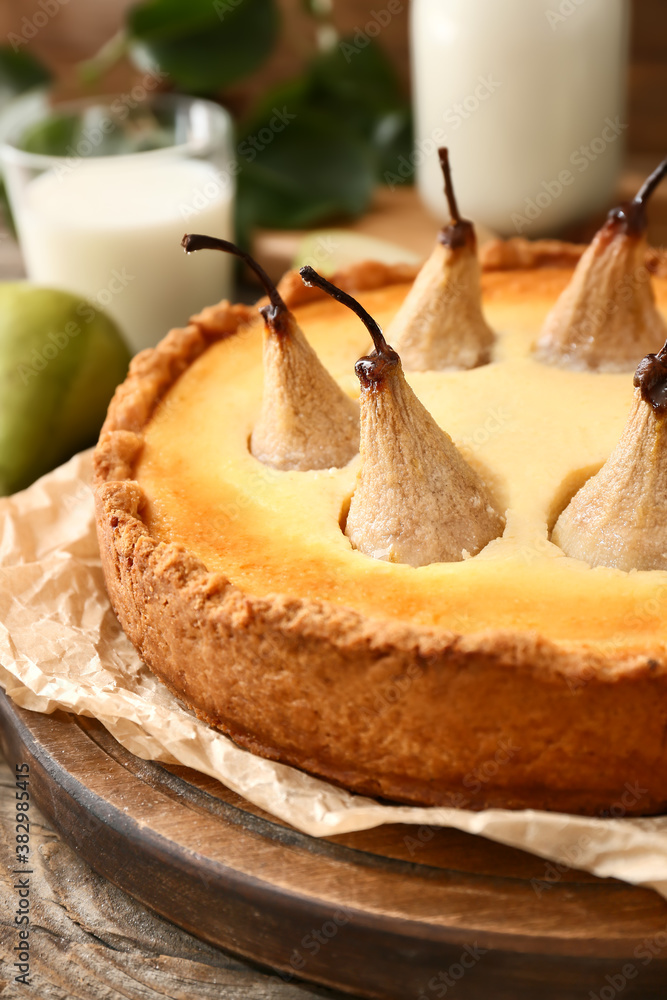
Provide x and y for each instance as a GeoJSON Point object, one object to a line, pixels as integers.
{"type": "Point", "coordinates": [651, 380]}
{"type": "Point", "coordinates": [460, 232]}
{"type": "Point", "coordinates": [278, 321]}
{"type": "Point", "coordinates": [373, 370]}
{"type": "Point", "coordinates": [627, 219]}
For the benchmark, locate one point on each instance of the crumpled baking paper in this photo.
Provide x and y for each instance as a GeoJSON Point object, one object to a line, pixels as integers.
{"type": "Point", "coordinates": [62, 647]}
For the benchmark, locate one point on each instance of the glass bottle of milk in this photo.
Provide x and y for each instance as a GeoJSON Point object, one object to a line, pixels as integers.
{"type": "Point", "coordinates": [529, 95]}
{"type": "Point", "coordinates": [108, 227]}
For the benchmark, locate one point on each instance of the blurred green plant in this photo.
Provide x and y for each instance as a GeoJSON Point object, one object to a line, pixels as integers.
{"type": "Point", "coordinates": [348, 121]}
{"type": "Point", "coordinates": [203, 45]}
{"type": "Point", "coordinates": [344, 120]}
{"type": "Point", "coordinates": [63, 131]}
{"type": "Point", "coordinates": [19, 73]}
{"type": "Point", "coordinates": [349, 124]}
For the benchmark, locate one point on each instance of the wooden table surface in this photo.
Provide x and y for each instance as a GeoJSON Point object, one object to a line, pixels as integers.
{"type": "Point", "coordinates": [91, 941]}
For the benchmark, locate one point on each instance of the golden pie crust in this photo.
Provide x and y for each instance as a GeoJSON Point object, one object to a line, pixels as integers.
{"type": "Point", "coordinates": [397, 709]}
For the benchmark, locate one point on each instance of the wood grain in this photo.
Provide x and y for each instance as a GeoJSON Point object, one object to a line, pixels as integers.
{"type": "Point", "coordinates": [90, 940]}
{"type": "Point", "coordinates": [394, 909]}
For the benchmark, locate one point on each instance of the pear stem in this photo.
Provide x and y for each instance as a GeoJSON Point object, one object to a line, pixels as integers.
{"type": "Point", "coordinates": [631, 216]}
{"type": "Point", "coordinates": [650, 184]}
{"type": "Point", "coordinates": [310, 277]}
{"type": "Point", "coordinates": [194, 241]}
{"type": "Point", "coordinates": [443, 153]}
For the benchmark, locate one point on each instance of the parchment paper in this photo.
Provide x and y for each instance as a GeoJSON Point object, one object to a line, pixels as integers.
{"type": "Point", "coordinates": [62, 647]}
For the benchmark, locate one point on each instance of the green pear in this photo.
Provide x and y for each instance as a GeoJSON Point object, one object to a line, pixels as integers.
{"type": "Point", "coordinates": [60, 361]}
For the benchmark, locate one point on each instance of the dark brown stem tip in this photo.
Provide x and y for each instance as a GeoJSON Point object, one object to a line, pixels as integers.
{"type": "Point", "coordinates": [630, 217]}
{"type": "Point", "coordinates": [460, 232]}
{"type": "Point", "coordinates": [276, 314]}
{"type": "Point", "coordinates": [193, 241]}
{"type": "Point", "coordinates": [651, 379]}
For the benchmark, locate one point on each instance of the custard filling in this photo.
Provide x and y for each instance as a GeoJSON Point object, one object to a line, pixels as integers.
{"type": "Point", "coordinates": [534, 432]}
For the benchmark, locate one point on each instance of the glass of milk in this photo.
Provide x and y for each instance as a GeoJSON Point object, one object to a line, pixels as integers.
{"type": "Point", "coordinates": [105, 218]}
{"type": "Point", "coordinates": [529, 96]}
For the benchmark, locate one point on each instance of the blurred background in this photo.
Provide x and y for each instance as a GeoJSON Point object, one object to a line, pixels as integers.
{"type": "Point", "coordinates": [82, 27]}
{"type": "Point", "coordinates": [307, 131]}
{"type": "Point", "coordinates": [354, 100]}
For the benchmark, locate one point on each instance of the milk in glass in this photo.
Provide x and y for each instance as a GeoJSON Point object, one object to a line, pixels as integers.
{"type": "Point", "coordinates": [110, 229]}
{"type": "Point", "coordinates": [529, 95]}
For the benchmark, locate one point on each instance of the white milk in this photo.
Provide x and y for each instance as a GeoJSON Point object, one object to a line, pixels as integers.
{"type": "Point", "coordinates": [529, 95]}
{"type": "Point", "coordinates": [110, 230]}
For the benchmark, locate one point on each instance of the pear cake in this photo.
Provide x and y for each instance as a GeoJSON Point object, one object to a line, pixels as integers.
{"type": "Point", "coordinates": [407, 531]}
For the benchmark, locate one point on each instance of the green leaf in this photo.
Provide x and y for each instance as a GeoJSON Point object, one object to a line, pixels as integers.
{"type": "Point", "coordinates": [54, 136]}
{"type": "Point", "coordinates": [312, 171]}
{"type": "Point", "coordinates": [205, 46]}
{"type": "Point", "coordinates": [295, 95]}
{"type": "Point", "coordinates": [350, 126]}
{"type": "Point", "coordinates": [363, 89]}
{"type": "Point", "coordinates": [168, 20]}
{"type": "Point", "coordinates": [366, 77]}
{"type": "Point", "coordinates": [361, 101]}
{"type": "Point", "coordinates": [20, 71]}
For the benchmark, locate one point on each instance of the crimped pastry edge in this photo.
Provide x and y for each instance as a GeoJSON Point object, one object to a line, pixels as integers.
{"type": "Point", "coordinates": [390, 709]}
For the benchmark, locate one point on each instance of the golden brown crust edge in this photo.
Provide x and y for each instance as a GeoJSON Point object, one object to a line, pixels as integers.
{"type": "Point", "coordinates": [410, 714]}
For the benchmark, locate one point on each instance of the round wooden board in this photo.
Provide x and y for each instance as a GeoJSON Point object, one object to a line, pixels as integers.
{"type": "Point", "coordinates": [395, 912]}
